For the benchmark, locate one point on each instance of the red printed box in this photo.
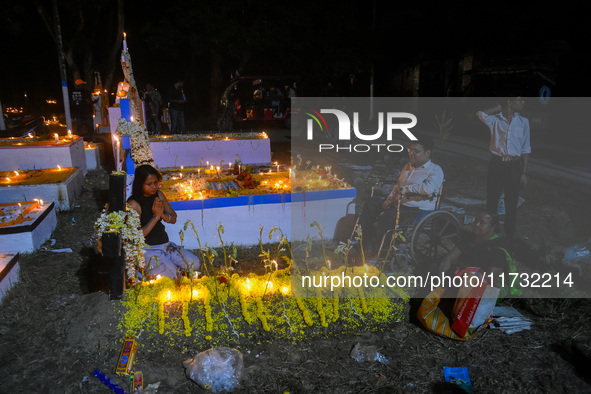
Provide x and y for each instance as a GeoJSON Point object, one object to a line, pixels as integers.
{"type": "Point", "coordinates": [126, 357]}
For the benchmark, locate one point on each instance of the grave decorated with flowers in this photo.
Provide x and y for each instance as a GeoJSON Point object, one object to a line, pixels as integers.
{"type": "Point", "coordinates": [225, 203]}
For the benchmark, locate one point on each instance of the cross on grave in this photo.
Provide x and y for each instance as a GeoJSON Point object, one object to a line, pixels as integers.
{"type": "Point", "coordinates": [112, 245]}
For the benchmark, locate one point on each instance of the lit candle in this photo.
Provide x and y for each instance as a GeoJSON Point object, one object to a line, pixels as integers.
{"type": "Point", "coordinates": [239, 168]}
{"type": "Point", "coordinates": [218, 170]}
{"type": "Point", "coordinates": [59, 168]}
{"type": "Point", "coordinates": [20, 209]}
{"type": "Point", "coordinates": [230, 165]}
{"type": "Point", "coordinates": [57, 138]}
{"type": "Point", "coordinates": [277, 164]}
{"type": "Point", "coordinates": [69, 133]}
{"type": "Point", "coordinates": [117, 158]}
{"type": "Point", "coordinates": [124, 42]}
{"type": "Point", "coordinates": [30, 135]}
{"type": "Point", "coordinates": [269, 285]}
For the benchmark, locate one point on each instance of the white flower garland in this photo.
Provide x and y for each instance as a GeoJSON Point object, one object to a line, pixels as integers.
{"type": "Point", "coordinates": [128, 223]}
{"type": "Point", "coordinates": [128, 76]}
{"type": "Point", "coordinates": [141, 152]}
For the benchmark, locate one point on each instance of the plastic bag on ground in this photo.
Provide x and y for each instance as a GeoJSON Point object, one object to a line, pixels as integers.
{"type": "Point", "coordinates": [367, 353]}
{"type": "Point", "coordinates": [216, 369]}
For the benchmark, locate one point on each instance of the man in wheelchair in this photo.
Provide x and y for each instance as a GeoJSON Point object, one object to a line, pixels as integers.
{"type": "Point", "coordinates": [420, 180]}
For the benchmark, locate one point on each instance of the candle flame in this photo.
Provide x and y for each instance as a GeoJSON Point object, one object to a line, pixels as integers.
{"type": "Point", "coordinates": [195, 294]}
{"type": "Point", "coordinates": [285, 290]}
{"type": "Point", "coordinates": [168, 295]}
{"type": "Point", "coordinates": [16, 173]}
{"type": "Point", "coordinates": [59, 168]}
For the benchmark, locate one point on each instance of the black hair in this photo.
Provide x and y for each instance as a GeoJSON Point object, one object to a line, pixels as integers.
{"type": "Point", "coordinates": [494, 217]}
{"type": "Point", "coordinates": [141, 174]}
{"type": "Point", "coordinates": [426, 142]}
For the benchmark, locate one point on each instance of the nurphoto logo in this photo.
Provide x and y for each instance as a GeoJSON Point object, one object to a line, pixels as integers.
{"type": "Point", "coordinates": [394, 121]}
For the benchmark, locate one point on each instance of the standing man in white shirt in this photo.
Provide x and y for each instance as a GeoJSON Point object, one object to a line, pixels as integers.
{"type": "Point", "coordinates": [419, 181]}
{"type": "Point", "coordinates": [510, 148]}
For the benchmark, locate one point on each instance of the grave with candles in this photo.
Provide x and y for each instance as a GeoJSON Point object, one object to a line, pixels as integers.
{"type": "Point", "coordinates": [245, 201]}
{"type": "Point", "coordinates": [226, 196]}
{"type": "Point", "coordinates": [39, 153]}
{"type": "Point", "coordinates": [24, 226]}
{"type": "Point", "coordinates": [60, 185]}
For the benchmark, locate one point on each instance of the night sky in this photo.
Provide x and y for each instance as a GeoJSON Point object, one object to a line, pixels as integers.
{"type": "Point", "coordinates": [205, 41]}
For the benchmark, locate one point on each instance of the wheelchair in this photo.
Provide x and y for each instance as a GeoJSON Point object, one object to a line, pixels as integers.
{"type": "Point", "coordinates": [428, 237]}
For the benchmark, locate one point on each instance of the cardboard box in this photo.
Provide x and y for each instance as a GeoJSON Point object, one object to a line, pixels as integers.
{"type": "Point", "coordinates": [126, 357]}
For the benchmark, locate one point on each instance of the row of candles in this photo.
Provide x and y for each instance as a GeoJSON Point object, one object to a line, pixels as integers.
{"type": "Point", "coordinates": [39, 204]}
{"type": "Point", "coordinates": [248, 287]}
{"type": "Point", "coordinates": [17, 177]}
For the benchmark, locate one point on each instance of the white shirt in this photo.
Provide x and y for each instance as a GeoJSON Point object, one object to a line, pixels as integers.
{"type": "Point", "coordinates": [426, 180]}
{"type": "Point", "coordinates": [507, 139]}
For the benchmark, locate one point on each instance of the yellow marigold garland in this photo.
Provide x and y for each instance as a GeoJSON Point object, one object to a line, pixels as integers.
{"type": "Point", "coordinates": [207, 305]}
{"type": "Point", "coordinates": [320, 310]}
{"type": "Point", "coordinates": [260, 314]}
{"type": "Point", "coordinates": [362, 300]}
{"type": "Point", "coordinates": [335, 306]}
{"type": "Point", "coordinates": [160, 317]}
{"type": "Point", "coordinates": [305, 311]}
{"type": "Point", "coordinates": [185, 318]}
{"type": "Point", "coordinates": [244, 308]}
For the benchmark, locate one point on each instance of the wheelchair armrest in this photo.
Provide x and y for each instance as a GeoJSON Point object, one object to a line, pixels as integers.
{"type": "Point", "coordinates": [414, 196]}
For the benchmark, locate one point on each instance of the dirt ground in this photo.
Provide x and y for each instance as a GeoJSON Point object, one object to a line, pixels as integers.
{"type": "Point", "coordinates": [57, 325]}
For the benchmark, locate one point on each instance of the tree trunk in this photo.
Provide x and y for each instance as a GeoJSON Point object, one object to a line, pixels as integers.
{"type": "Point", "coordinates": [216, 81]}
{"type": "Point", "coordinates": [116, 50]}
{"type": "Point", "coordinates": [62, 64]}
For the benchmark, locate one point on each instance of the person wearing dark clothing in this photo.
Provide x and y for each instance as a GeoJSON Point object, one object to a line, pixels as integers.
{"type": "Point", "coordinates": [163, 257]}
{"type": "Point", "coordinates": [484, 249]}
{"type": "Point", "coordinates": [81, 109]}
{"type": "Point", "coordinates": [510, 148]}
{"type": "Point", "coordinates": [177, 99]}
{"type": "Point", "coordinates": [153, 106]}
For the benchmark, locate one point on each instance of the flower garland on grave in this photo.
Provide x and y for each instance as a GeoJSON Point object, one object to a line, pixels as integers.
{"type": "Point", "coordinates": [128, 223]}
{"type": "Point", "coordinates": [128, 75]}
{"type": "Point", "coordinates": [141, 153]}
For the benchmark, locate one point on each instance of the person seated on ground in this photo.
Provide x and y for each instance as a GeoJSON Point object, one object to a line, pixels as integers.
{"type": "Point", "coordinates": [417, 186]}
{"type": "Point", "coordinates": [483, 248]}
{"type": "Point", "coordinates": [163, 257]}
{"type": "Point", "coordinates": [481, 253]}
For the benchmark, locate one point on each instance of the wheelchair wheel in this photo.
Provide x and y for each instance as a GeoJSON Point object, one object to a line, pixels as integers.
{"type": "Point", "coordinates": [434, 237]}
